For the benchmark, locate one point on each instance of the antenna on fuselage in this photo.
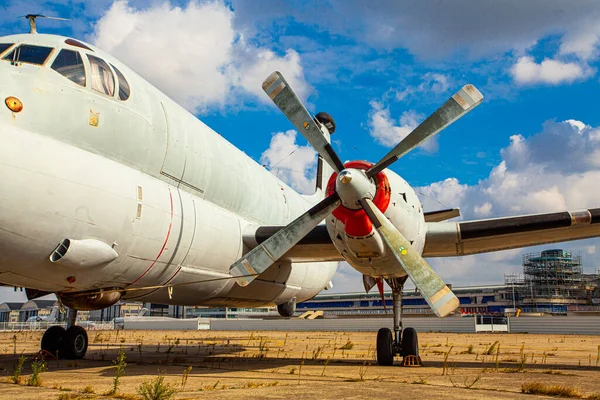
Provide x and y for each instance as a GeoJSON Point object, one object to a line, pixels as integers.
{"type": "Point", "coordinates": [32, 17]}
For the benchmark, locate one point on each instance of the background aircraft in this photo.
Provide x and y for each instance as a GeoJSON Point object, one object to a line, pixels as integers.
{"type": "Point", "coordinates": [111, 190]}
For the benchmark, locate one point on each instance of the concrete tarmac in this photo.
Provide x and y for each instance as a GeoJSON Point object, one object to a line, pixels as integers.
{"type": "Point", "coordinates": [306, 365]}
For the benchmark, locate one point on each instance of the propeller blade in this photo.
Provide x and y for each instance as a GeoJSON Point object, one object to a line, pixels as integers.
{"type": "Point", "coordinates": [277, 88]}
{"type": "Point", "coordinates": [458, 105]}
{"type": "Point", "coordinates": [437, 294]}
{"type": "Point", "coordinates": [257, 260]}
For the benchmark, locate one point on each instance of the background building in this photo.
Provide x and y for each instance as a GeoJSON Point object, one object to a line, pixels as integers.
{"type": "Point", "coordinates": [553, 282]}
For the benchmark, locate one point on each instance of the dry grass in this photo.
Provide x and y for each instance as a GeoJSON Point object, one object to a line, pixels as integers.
{"type": "Point", "coordinates": [551, 390]}
{"type": "Point", "coordinates": [248, 360]}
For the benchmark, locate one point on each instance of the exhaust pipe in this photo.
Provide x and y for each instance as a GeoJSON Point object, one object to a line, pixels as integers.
{"type": "Point", "coordinates": [83, 254]}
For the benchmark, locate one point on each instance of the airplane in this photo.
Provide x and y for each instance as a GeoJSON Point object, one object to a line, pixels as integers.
{"type": "Point", "coordinates": [56, 317]}
{"type": "Point", "coordinates": [52, 317]}
{"type": "Point", "coordinates": [110, 190]}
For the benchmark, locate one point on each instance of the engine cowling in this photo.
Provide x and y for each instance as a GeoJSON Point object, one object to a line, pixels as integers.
{"type": "Point", "coordinates": [354, 236]}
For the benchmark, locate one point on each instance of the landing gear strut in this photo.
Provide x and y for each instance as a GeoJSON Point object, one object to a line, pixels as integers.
{"type": "Point", "coordinates": [403, 342]}
{"type": "Point", "coordinates": [70, 343]}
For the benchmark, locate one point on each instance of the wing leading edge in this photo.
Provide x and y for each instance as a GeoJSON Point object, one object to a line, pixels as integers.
{"type": "Point", "coordinates": [445, 239]}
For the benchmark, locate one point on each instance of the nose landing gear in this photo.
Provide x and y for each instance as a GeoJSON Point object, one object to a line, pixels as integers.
{"type": "Point", "coordinates": [403, 342]}
{"type": "Point", "coordinates": [70, 343]}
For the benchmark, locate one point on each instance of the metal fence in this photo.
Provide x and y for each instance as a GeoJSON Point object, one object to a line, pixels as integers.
{"type": "Point", "coordinates": [572, 325]}
{"type": "Point", "coordinates": [42, 326]}
{"type": "Point", "coordinates": [561, 325]}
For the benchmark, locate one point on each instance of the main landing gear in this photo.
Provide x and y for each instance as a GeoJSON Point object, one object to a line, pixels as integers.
{"type": "Point", "coordinates": [70, 343]}
{"type": "Point", "coordinates": [403, 342]}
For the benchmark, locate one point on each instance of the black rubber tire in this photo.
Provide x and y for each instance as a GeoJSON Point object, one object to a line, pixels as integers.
{"type": "Point", "coordinates": [385, 347]}
{"type": "Point", "coordinates": [53, 339]}
{"type": "Point", "coordinates": [75, 344]}
{"type": "Point", "coordinates": [287, 309]}
{"type": "Point", "coordinates": [410, 342]}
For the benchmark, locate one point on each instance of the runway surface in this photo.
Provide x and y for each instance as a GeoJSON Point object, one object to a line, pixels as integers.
{"type": "Point", "coordinates": [307, 365]}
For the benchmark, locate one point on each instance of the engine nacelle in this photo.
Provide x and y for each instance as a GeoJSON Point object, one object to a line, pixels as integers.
{"type": "Point", "coordinates": [367, 252]}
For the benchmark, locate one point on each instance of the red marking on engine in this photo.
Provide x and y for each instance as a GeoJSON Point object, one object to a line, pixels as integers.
{"type": "Point", "coordinates": [356, 223]}
{"type": "Point", "coordinates": [71, 279]}
{"type": "Point", "coordinates": [164, 244]}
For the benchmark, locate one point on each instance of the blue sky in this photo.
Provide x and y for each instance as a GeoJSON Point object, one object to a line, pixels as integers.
{"type": "Point", "coordinates": [379, 68]}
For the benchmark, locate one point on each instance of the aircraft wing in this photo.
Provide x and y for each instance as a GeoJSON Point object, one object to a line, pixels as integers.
{"type": "Point", "coordinates": [441, 215]}
{"type": "Point", "coordinates": [314, 247]}
{"type": "Point", "coordinates": [445, 239]}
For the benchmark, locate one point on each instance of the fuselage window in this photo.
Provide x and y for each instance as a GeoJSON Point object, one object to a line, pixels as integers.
{"type": "Point", "coordinates": [69, 64]}
{"type": "Point", "coordinates": [4, 46]}
{"type": "Point", "coordinates": [102, 78]}
{"type": "Point", "coordinates": [124, 88]}
{"type": "Point", "coordinates": [28, 53]}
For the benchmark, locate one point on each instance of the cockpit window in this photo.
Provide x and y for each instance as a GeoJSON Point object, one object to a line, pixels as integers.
{"type": "Point", "coordinates": [28, 53]}
{"type": "Point", "coordinates": [102, 78]}
{"type": "Point", "coordinates": [4, 46]}
{"type": "Point", "coordinates": [69, 64]}
{"type": "Point", "coordinates": [124, 88]}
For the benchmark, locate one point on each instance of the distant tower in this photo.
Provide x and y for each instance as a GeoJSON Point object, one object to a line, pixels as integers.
{"type": "Point", "coordinates": [553, 279]}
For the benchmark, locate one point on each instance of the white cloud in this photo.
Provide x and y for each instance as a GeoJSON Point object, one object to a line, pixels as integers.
{"type": "Point", "coordinates": [347, 279]}
{"type": "Point", "coordinates": [261, 63]}
{"type": "Point", "coordinates": [554, 170]}
{"type": "Point", "coordinates": [204, 63]}
{"type": "Point", "coordinates": [582, 42]}
{"type": "Point", "coordinates": [431, 83]}
{"type": "Point", "coordinates": [293, 164]}
{"type": "Point", "coordinates": [483, 210]}
{"type": "Point", "coordinates": [492, 28]}
{"type": "Point", "coordinates": [385, 131]}
{"type": "Point", "coordinates": [526, 71]}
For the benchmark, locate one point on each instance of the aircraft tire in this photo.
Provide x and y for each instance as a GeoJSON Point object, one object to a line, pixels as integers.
{"type": "Point", "coordinates": [53, 339]}
{"type": "Point", "coordinates": [385, 347]}
{"type": "Point", "coordinates": [410, 342]}
{"type": "Point", "coordinates": [76, 343]}
{"type": "Point", "coordinates": [287, 309]}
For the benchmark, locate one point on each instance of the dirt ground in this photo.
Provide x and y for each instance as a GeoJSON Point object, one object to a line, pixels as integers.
{"type": "Point", "coordinates": [305, 365]}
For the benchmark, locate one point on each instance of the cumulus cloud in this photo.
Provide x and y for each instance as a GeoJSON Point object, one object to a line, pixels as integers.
{"type": "Point", "coordinates": [549, 171]}
{"type": "Point", "coordinates": [492, 27]}
{"type": "Point", "coordinates": [431, 83]}
{"type": "Point", "coordinates": [204, 63]}
{"type": "Point", "coordinates": [554, 170]}
{"type": "Point", "coordinates": [293, 164]}
{"type": "Point", "coordinates": [386, 132]}
{"type": "Point", "coordinates": [583, 42]}
{"type": "Point", "coordinates": [527, 71]}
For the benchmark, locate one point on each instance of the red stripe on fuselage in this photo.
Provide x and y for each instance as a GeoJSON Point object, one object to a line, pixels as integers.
{"type": "Point", "coordinates": [164, 244]}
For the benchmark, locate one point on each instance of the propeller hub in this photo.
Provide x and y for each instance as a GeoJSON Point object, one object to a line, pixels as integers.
{"type": "Point", "coordinates": [352, 185]}
{"type": "Point", "coordinates": [345, 176]}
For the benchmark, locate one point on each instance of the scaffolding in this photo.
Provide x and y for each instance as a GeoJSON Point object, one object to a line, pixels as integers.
{"type": "Point", "coordinates": [551, 280]}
